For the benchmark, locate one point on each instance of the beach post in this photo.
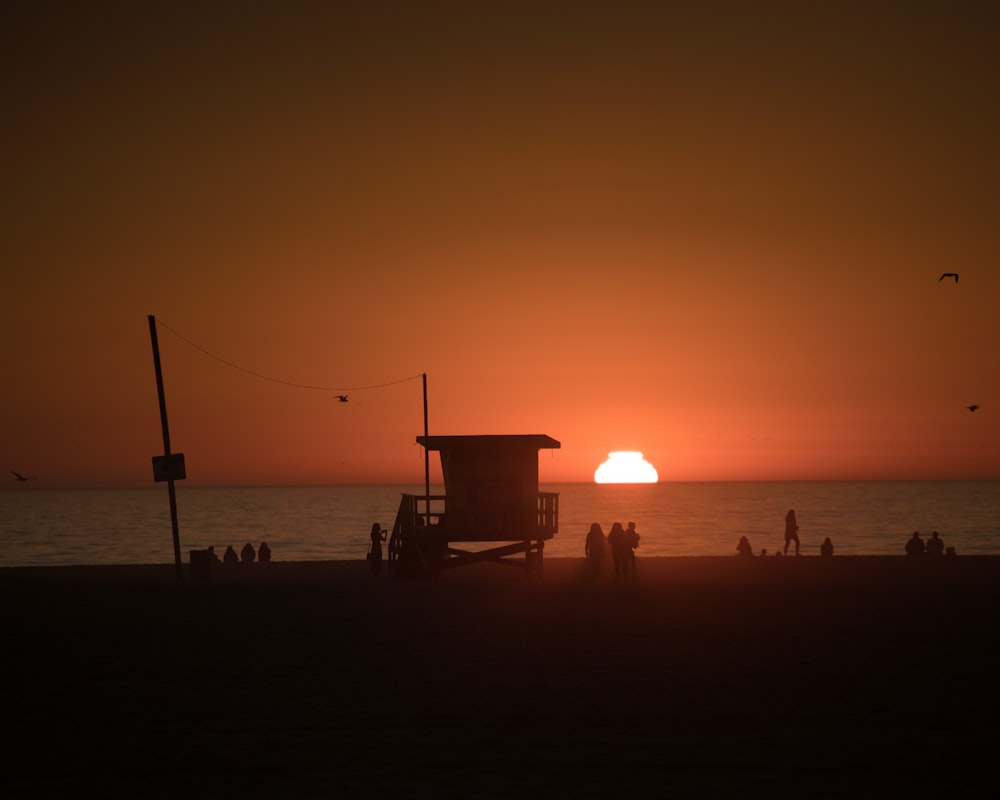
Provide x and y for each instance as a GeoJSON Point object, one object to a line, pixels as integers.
{"type": "Point", "coordinates": [427, 461]}
{"type": "Point", "coordinates": [169, 466]}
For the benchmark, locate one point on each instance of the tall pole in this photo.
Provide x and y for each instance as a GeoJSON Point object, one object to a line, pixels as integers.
{"type": "Point", "coordinates": [427, 460]}
{"type": "Point", "coordinates": [166, 441]}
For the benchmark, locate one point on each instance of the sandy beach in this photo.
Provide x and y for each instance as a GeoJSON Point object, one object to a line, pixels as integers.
{"type": "Point", "coordinates": [706, 677]}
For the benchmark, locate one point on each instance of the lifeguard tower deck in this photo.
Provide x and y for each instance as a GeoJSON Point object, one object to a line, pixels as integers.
{"type": "Point", "coordinates": [491, 498]}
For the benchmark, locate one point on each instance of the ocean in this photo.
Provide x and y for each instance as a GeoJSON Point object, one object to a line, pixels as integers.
{"type": "Point", "coordinates": [42, 527]}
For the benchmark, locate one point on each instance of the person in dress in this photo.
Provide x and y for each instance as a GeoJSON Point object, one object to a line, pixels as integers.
{"type": "Point", "coordinates": [618, 543]}
{"type": "Point", "coordinates": [593, 548]}
{"type": "Point", "coordinates": [377, 536]}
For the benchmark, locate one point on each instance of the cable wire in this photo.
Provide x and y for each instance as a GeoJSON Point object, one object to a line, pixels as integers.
{"type": "Point", "coordinates": [279, 380]}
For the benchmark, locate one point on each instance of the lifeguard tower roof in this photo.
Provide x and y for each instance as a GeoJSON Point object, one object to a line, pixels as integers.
{"type": "Point", "coordinates": [538, 441]}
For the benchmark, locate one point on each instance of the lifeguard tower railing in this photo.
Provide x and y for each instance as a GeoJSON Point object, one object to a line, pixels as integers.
{"type": "Point", "coordinates": [424, 535]}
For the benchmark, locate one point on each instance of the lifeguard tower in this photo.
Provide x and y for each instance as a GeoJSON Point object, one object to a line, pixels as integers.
{"type": "Point", "coordinates": [491, 498]}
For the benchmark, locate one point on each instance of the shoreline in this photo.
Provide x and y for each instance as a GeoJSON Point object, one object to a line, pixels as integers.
{"type": "Point", "coordinates": [556, 568]}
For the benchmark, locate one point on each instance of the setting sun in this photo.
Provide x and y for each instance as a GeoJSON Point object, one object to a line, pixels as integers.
{"type": "Point", "coordinates": [626, 466]}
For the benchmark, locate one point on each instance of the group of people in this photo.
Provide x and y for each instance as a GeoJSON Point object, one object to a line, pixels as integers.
{"type": "Point", "coordinates": [743, 548]}
{"type": "Point", "coordinates": [621, 541]}
{"type": "Point", "coordinates": [915, 546]}
{"type": "Point", "coordinates": [246, 556]}
{"type": "Point", "coordinates": [934, 546]}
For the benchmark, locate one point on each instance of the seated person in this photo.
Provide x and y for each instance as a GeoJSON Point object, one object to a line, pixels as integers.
{"type": "Point", "coordinates": [915, 546]}
{"type": "Point", "coordinates": [263, 552]}
{"type": "Point", "coordinates": [935, 545]}
{"type": "Point", "coordinates": [744, 548]}
{"type": "Point", "coordinates": [826, 549]}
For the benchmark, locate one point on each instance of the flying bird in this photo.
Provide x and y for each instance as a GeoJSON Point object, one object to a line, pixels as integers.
{"type": "Point", "coordinates": [21, 478]}
{"type": "Point", "coordinates": [341, 397]}
{"type": "Point", "coordinates": [973, 407]}
{"type": "Point", "coordinates": [948, 275]}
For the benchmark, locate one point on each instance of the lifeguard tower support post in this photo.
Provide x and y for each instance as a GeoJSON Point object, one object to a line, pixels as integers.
{"type": "Point", "coordinates": [491, 496]}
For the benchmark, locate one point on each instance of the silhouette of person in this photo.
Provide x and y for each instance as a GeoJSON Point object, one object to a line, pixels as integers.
{"type": "Point", "coordinates": [791, 531]}
{"type": "Point", "coordinates": [935, 545]}
{"type": "Point", "coordinates": [744, 548]}
{"type": "Point", "coordinates": [247, 554]}
{"type": "Point", "coordinates": [212, 555]}
{"type": "Point", "coordinates": [593, 548]}
{"type": "Point", "coordinates": [826, 549]}
{"type": "Point", "coordinates": [263, 553]}
{"type": "Point", "coordinates": [618, 542]}
{"type": "Point", "coordinates": [632, 538]}
{"type": "Point", "coordinates": [230, 557]}
{"type": "Point", "coordinates": [377, 536]}
{"type": "Point", "coordinates": [915, 546]}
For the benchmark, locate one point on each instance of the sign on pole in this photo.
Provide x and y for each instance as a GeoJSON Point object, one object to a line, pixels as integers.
{"type": "Point", "coordinates": [169, 467]}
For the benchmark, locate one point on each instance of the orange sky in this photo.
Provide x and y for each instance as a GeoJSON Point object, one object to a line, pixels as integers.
{"type": "Point", "coordinates": [711, 232]}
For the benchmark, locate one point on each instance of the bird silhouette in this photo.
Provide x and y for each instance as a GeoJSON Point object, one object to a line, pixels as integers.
{"type": "Point", "coordinates": [341, 397]}
{"type": "Point", "coordinates": [21, 478]}
{"type": "Point", "coordinates": [948, 275]}
{"type": "Point", "coordinates": [973, 407]}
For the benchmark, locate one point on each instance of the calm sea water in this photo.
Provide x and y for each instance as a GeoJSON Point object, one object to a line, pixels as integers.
{"type": "Point", "coordinates": [132, 526]}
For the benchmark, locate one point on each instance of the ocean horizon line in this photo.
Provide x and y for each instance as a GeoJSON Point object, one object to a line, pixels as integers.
{"type": "Point", "coordinates": [184, 484]}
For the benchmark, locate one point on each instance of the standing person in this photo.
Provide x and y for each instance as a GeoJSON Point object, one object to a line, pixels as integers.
{"type": "Point", "coordinates": [619, 547]}
{"type": "Point", "coordinates": [594, 548]}
{"type": "Point", "coordinates": [791, 531]}
{"type": "Point", "coordinates": [377, 536]}
{"type": "Point", "coordinates": [632, 538]}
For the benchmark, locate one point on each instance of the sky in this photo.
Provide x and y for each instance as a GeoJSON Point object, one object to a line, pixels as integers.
{"type": "Point", "coordinates": [710, 232]}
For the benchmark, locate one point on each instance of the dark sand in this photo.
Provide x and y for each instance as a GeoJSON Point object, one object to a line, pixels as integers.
{"type": "Point", "coordinates": [709, 677]}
